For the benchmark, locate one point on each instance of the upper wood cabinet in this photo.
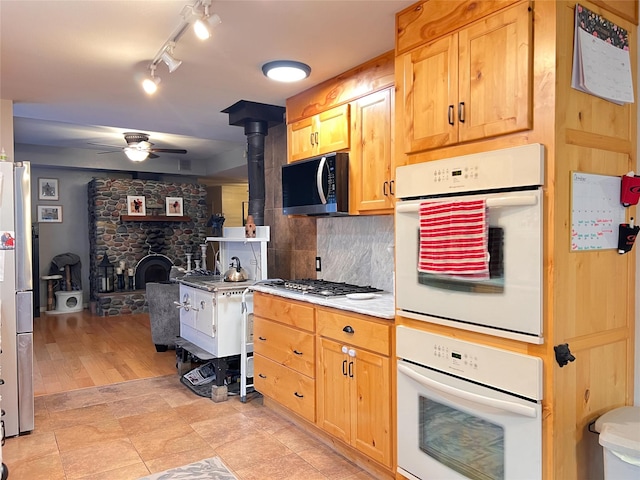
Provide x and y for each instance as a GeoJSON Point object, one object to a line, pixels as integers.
{"type": "Point", "coordinates": [472, 84]}
{"type": "Point", "coordinates": [322, 133]}
{"type": "Point", "coordinates": [370, 157]}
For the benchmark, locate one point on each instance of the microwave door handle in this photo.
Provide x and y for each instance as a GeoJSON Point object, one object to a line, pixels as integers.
{"type": "Point", "coordinates": [496, 202]}
{"type": "Point", "coordinates": [516, 408]}
{"type": "Point", "coordinates": [323, 198]}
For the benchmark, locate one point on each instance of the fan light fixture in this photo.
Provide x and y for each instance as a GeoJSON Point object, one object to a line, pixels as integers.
{"type": "Point", "coordinates": [136, 154]}
{"type": "Point", "coordinates": [196, 14]}
{"type": "Point", "coordinates": [286, 70]}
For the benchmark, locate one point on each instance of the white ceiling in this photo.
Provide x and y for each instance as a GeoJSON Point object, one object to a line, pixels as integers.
{"type": "Point", "coordinates": [72, 67]}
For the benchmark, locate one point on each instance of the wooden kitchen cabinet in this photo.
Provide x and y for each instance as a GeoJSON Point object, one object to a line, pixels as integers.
{"type": "Point", "coordinates": [371, 170]}
{"type": "Point", "coordinates": [353, 382]}
{"type": "Point", "coordinates": [469, 85]}
{"type": "Point", "coordinates": [284, 353]}
{"type": "Point", "coordinates": [319, 134]}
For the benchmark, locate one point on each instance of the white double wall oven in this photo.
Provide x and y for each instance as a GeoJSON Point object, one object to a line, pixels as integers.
{"type": "Point", "coordinates": [466, 410]}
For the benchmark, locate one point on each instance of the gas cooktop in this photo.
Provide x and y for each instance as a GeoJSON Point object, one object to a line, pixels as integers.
{"type": "Point", "coordinates": [321, 288]}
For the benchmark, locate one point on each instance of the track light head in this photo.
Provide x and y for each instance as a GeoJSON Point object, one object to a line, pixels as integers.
{"type": "Point", "coordinates": [203, 26]}
{"type": "Point", "coordinates": [150, 83]}
{"type": "Point", "coordinates": [168, 58]}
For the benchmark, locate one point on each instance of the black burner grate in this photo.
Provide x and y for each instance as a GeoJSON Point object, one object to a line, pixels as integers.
{"type": "Point", "coordinates": [324, 288]}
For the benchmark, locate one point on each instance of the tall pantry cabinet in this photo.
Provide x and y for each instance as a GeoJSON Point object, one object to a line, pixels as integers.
{"type": "Point", "coordinates": [477, 76]}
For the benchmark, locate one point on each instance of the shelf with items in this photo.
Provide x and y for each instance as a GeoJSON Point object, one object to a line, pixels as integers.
{"type": "Point", "coordinates": [154, 218]}
{"type": "Point", "coordinates": [252, 252]}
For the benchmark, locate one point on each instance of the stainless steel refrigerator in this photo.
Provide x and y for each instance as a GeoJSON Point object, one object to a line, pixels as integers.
{"type": "Point", "coordinates": [16, 304]}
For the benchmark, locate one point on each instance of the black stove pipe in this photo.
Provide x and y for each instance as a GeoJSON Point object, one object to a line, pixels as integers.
{"type": "Point", "coordinates": [255, 132]}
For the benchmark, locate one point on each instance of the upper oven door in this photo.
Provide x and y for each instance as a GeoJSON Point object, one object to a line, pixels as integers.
{"type": "Point", "coordinates": [509, 303]}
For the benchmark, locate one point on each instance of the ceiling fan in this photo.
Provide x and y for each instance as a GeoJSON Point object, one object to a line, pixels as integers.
{"type": "Point", "coordinates": [139, 148]}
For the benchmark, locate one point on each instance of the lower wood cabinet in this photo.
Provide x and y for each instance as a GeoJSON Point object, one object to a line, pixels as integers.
{"type": "Point", "coordinates": [329, 367]}
{"type": "Point", "coordinates": [353, 383]}
{"type": "Point", "coordinates": [291, 389]}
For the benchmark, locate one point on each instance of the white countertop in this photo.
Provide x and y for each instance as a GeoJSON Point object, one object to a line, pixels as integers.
{"type": "Point", "coordinates": [382, 305]}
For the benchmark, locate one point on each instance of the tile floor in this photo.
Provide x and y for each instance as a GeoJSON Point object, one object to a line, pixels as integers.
{"type": "Point", "coordinates": [131, 429]}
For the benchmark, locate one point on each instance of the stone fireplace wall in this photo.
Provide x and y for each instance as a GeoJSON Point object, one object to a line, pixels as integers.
{"type": "Point", "coordinates": [129, 241]}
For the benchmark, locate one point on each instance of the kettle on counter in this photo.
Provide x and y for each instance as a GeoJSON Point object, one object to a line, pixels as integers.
{"type": "Point", "coordinates": [236, 273]}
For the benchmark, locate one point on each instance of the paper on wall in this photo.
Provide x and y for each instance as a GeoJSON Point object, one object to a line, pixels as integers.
{"type": "Point", "coordinates": [601, 60]}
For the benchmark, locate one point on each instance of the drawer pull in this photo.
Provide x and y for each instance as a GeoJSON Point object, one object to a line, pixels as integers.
{"type": "Point", "coordinates": [261, 375]}
{"type": "Point", "coordinates": [297, 352]}
{"type": "Point", "coordinates": [262, 339]}
{"type": "Point", "coordinates": [298, 395]}
{"type": "Point", "coordinates": [348, 329]}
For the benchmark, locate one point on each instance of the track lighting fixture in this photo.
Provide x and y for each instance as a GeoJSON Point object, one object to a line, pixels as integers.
{"type": "Point", "coordinates": [168, 58]}
{"type": "Point", "coordinates": [286, 70]}
{"type": "Point", "coordinates": [202, 26]}
{"type": "Point", "coordinates": [150, 83]}
{"type": "Point", "coordinates": [202, 20]}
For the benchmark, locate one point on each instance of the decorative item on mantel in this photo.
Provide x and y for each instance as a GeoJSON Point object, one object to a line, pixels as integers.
{"type": "Point", "coordinates": [188, 250]}
{"type": "Point", "coordinates": [250, 228]}
{"type": "Point", "coordinates": [105, 275]}
{"type": "Point", "coordinates": [203, 254]}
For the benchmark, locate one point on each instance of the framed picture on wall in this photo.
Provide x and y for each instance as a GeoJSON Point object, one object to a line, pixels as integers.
{"type": "Point", "coordinates": [50, 213]}
{"type": "Point", "coordinates": [48, 189]}
{"type": "Point", "coordinates": [175, 206]}
{"type": "Point", "coordinates": [136, 205]}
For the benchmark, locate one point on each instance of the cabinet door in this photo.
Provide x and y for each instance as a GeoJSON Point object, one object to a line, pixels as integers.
{"type": "Point", "coordinates": [370, 154]}
{"type": "Point", "coordinates": [333, 130]}
{"type": "Point", "coordinates": [430, 85]}
{"type": "Point", "coordinates": [371, 405]}
{"type": "Point", "coordinates": [333, 390]}
{"type": "Point", "coordinates": [301, 140]}
{"type": "Point", "coordinates": [496, 75]}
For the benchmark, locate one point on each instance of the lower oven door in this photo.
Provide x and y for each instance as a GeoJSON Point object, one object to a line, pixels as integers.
{"type": "Point", "coordinates": [509, 303]}
{"type": "Point", "coordinates": [449, 428]}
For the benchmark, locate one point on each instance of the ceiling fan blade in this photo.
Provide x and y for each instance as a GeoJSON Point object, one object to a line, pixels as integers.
{"type": "Point", "coordinates": [110, 151]}
{"type": "Point", "coordinates": [168, 150]}
{"type": "Point", "coordinates": [153, 155]}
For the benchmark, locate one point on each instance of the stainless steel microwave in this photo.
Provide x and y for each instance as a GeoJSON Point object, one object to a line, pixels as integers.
{"type": "Point", "coordinates": [317, 186]}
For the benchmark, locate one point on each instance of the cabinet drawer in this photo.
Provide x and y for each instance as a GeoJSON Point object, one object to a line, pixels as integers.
{"type": "Point", "coordinates": [366, 333]}
{"type": "Point", "coordinates": [284, 311]}
{"type": "Point", "coordinates": [285, 345]}
{"type": "Point", "coordinates": [287, 387]}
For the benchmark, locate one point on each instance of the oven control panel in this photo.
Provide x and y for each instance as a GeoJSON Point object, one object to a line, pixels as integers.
{"type": "Point", "coordinates": [503, 369]}
{"type": "Point", "coordinates": [456, 175]}
{"type": "Point", "coordinates": [521, 166]}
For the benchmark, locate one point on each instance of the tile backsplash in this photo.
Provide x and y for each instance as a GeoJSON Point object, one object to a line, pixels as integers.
{"type": "Point", "coordinates": [358, 250]}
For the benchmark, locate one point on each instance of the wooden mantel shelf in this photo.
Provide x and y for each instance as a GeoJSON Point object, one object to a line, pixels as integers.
{"type": "Point", "coordinates": [154, 218]}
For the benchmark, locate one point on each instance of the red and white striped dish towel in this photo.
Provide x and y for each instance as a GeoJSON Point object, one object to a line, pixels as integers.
{"type": "Point", "coordinates": [454, 239]}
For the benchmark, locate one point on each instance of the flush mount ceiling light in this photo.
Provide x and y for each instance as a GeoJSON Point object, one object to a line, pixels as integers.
{"type": "Point", "coordinates": [150, 83]}
{"type": "Point", "coordinates": [286, 70]}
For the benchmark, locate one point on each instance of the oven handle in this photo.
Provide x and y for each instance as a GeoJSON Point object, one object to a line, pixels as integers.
{"type": "Point", "coordinates": [497, 202]}
{"type": "Point", "coordinates": [491, 402]}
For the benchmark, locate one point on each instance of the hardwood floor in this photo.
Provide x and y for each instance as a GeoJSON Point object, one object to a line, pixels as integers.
{"type": "Point", "coordinates": [78, 350]}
